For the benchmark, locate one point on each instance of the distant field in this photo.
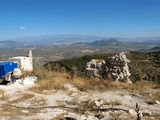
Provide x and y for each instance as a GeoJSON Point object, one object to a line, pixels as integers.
{"type": "Point", "coordinates": [43, 54]}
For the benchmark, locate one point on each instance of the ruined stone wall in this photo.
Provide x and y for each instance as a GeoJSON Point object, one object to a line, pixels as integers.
{"type": "Point", "coordinates": [117, 67]}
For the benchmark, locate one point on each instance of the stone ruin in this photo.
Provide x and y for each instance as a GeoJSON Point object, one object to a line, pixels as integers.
{"type": "Point", "coordinates": [95, 68]}
{"type": "Point", "coordinates": [116, 67]}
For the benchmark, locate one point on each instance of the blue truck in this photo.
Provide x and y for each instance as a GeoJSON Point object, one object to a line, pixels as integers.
{"type": "Point", "coordinates": [6, 70]}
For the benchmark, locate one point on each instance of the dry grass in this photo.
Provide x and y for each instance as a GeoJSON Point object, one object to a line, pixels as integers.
{"type": "Point", "coordinates": [2, 96]}
{"type": "Point", "coordinates": [137, 86]}
{"type": "Point", "coordinates": [116, 114]}
{"type": "Point", "coordinates": [23, 98]}
{"type": "Point", "coordinates": [15, 107]}
{"type": "Point", "coordinates": [152, 98]}
{"type": "Point", "coordinates": [113, 103]}
{"type": "Point", "coordinates": [60, 80]}
{"type": "Point", "coordinates": [49, 80]}
{"type": "Point", "coordinates": [1, 91]}
{"type": "Point", "coordinates": [55, 82]}
{"type": "Point", "coordinates": [156, 95]}
{"type": "Point", "coordinates": [91, 84]}
{"type": "Point", "coordinates": [150, 101]}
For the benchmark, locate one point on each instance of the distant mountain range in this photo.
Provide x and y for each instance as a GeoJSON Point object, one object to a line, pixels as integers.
{"type": "Point", "coordinates": [77, 39]}
{"type": "Point", "coordinates": [104, 42]}
{"type": "Point", "coordinates": [141, 40]}
{"type": "Point", "coordinates": [59, 39]}
{"type": "Point", "coordinates": [12, 44]}
{"type": "Point", "coordinates": [51, 40]}
{"type": "Point", "coordinates": [157, 48]}
{"type": "Point", "coordinates": [8, 43]}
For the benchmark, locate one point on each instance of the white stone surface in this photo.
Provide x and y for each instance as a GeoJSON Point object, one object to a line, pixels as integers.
{"type": "Point", "coordinates": [25, 63]}
{"type": "Point", "coordinates": [117, 68]}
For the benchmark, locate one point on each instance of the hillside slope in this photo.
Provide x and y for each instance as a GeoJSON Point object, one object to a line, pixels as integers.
{"type": "Point", "coordinates": [142, 66]}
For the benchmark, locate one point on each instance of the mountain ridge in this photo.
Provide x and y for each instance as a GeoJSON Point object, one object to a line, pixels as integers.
{"type": "Point", "coordinates": [103, 42]}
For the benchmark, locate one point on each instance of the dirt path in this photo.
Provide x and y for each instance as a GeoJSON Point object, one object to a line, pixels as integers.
{"type": "Point", "coordinates": [53, 105]}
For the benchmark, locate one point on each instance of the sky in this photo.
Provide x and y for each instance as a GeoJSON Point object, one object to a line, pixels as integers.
{"type": "Point", "coordinates": [104, 18]}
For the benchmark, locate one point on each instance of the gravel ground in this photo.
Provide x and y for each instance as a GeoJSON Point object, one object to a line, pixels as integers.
{"type": "Point", "coordinates": [73, 103]}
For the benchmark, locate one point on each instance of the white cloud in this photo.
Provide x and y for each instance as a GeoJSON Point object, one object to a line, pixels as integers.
{"type": "Point", "coordinates": [22, 27]}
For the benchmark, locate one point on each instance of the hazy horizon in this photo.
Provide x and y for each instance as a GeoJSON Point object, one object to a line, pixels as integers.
{"type": "Point", "coordinates": [61, 35]}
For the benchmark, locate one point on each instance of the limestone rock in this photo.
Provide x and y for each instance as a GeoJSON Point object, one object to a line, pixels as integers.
{"type": "Point", "coordinates": [95, 68]}
{"type": "Point", "coordinates": [117, 67]}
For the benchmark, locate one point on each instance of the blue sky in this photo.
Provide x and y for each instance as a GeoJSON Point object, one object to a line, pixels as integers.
{"type": "Point", "coordinates": [107, 18]}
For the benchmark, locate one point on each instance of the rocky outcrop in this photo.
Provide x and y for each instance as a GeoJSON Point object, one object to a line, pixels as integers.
{"type": "Point", "coordinates": [95, 68]}
{"type": "Point", "coordinates": [116, 67]}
